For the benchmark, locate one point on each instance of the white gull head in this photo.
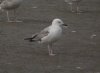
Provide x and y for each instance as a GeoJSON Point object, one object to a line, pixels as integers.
{"type": "Point", "coordinates": [58, 22]}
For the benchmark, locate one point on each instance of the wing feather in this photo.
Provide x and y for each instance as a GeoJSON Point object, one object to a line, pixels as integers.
{"type": "Point", "coordinates": [42, 34]}
{"type": "Point", "coordinates": [38, 36]}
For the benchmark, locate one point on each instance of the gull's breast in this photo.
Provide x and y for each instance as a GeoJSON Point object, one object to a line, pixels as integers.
{"type": "Point", "coordinates": [53, 36]}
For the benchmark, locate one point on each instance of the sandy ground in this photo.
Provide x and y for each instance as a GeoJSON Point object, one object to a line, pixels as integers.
{"type": "Point", "coordinates": [77, 52]}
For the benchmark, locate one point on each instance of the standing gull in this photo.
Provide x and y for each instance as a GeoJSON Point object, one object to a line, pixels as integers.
{"type": "Point", "coordinates": [7, 5]}
{"type": "Point", "coordinates": [49, 35]}
{"type": "Point", "coordinates": [74, 4]}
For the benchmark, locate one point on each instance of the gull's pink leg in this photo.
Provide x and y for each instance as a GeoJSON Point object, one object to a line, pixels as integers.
{"type": "Point", "coordinates": [50, 50]}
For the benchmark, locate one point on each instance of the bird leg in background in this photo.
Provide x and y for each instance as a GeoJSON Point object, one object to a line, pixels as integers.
{"type": "Point", "coordinates": [77, 8]}
{"type": "Point", "coordinates": [74, 7]}
{"type": "Point", "coordinates": [50, 50]}
{"type": "Point", "coordinates": [15, 17]}
{"type": "Point", "coordinates": [8, 16]}
{"type": "Point", "coordinates": [71, 7]}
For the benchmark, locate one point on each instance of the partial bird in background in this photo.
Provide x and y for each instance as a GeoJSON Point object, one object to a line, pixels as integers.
{"type": "Point", "coordinates": [74, 5]}
{"type": "Point", "coordinates": [49, 35]}
{"type": "Point", "coordinates": [1, 1]}
{"type": "Point", "coordinates": [8, 5]}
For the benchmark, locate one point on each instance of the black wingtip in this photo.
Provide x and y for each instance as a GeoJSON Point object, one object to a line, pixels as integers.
{"type": "Point", "coordinates": [32, 38]}
{"type": "Point", "coordinates": [29, 39]}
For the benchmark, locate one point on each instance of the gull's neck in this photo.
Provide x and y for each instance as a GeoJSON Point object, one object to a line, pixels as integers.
{"type": "Point", "coordinates": [55, 24]}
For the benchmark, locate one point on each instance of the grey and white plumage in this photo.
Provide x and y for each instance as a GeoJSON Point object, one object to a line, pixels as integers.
{"type": "Point", "coordinates": [7, 5]}
{"type": "Point", "coordinates": [49, 35]}
{"type": "Point", "coordinates": [74, 4]}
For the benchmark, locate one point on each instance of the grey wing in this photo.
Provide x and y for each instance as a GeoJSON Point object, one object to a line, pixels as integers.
{"type": "Point", "coordinates": [42, 34]}
{"type": "Point", "coordinates": [38, 36]}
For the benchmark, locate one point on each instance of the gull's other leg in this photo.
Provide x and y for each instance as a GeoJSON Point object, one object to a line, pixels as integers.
{"type": "Point", "coordinates": [50, 50]}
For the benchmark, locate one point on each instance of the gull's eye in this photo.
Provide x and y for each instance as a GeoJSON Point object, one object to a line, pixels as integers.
{"type": "Point", "coordinates": [59, 22]}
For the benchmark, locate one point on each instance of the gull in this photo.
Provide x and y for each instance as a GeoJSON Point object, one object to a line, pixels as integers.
{"type": "Point", "coordinates": [49, 35]}
{"type": "Point", "coordinates": [7, 5]}
{"type": "Point", "coordinates": [74, 3]}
